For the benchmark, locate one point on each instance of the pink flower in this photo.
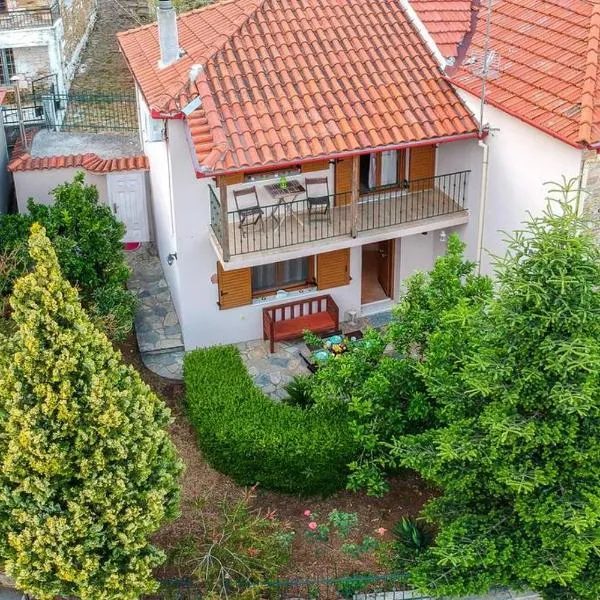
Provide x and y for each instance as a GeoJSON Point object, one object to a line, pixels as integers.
{"type": "Point", "coordinates": [312, 525]}
{"type": "Point", "coordinates": [307, 513]}
{"type": "Point", "coordinates": [381, 531]}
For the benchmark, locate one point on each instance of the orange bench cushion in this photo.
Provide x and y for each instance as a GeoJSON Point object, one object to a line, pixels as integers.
{"type": "Point", "coordinates": [291, 328]}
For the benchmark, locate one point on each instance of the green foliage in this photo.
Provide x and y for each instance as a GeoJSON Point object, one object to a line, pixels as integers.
{"type": "Point", "coordinates": [412, 539]}
{"type": "Point", "coordinates": [347, 587]}
{"type": "Point", "coordinates": [237, 548]}
{"type": "Point", "coordinates": [87, 470]}
{"type": "Point", "coordinates": [383, 391]}
{"type": "Point", "coordinates": [87, 239]}
{"type": "Point", "coordinates": [340, 525]}
{"type": "Point", "coordinates": [299, 391]}
{"type": "Point", "coordinates": [246, 435]}
{"type": "Point", "coordinates": [517, 447]}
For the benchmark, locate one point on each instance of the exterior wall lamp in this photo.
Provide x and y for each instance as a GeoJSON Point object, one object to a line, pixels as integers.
{"type": "Point", "coordinates": [171, 258]}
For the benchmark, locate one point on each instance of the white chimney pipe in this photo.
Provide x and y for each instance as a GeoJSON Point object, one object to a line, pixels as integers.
{"type": "Point", "coordinates": [167, 34]}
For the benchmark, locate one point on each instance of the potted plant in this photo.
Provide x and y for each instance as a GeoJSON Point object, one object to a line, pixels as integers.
{"type": "Point", "coordinates": [283, 182]}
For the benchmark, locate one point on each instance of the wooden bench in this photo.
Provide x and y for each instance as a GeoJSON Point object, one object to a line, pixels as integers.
{"type": "Point", "coordinates": [288, 321]}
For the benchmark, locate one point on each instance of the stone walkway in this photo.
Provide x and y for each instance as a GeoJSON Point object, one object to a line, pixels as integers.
{"type": "Point", "coordinates": [156, 322]}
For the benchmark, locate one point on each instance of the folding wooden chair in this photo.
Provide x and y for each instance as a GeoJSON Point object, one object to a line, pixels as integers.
{"type": "Point", "coordinates": [317, 197]}
{"type": "Point", "coordinates": [248, 208]}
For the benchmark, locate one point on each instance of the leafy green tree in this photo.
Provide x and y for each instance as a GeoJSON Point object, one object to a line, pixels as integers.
{"type": "Point", "coordinates": [383, 390]}
{"type": "Point", "coordinates": [87, 469]}
{"type": "Point", "coordinates": [517, 449]}
{"type": "Point", "coordinates": [87, 239]}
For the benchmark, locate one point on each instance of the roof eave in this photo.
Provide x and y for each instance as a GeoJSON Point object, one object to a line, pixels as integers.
{"type": "Point", "coordinates": [202, 172]}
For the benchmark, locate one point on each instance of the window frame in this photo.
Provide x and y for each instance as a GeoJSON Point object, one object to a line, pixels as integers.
{"type": "Point", "coordinates": [7, 66]}
{"type": "Point", "coordinates": [310, 279]}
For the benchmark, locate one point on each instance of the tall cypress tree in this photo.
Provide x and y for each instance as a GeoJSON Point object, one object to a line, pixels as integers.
{"type": "Point", "coordinates": [518, 456]}
{"type": "Point", "coordinates": [87, 469]}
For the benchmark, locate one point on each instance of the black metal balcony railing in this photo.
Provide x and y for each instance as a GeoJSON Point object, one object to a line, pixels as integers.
{"type": "Point", "coordinates": [25, 18]}
{"type": "Point", "coordinates": [288, 224]}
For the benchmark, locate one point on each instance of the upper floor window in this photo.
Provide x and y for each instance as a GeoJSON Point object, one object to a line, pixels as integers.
{"type": "Point", "coordinates": [7, 65]}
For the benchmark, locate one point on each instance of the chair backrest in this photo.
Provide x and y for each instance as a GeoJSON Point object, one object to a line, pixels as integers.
{"type": "Point", "coordinates": [316, 187]}
{"type": "Point", "coordinates": [246, 198]}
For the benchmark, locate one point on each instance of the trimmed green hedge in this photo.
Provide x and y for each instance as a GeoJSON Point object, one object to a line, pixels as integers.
{"type": "Point", "coordinates": [246, 435]}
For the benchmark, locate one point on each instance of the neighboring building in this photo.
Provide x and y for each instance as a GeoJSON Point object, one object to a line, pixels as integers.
{"type": "Point", "coordinates": [41, 38]}
{"type": "Point", "coordinates": [541, 93]}
{"type": "Point", "coordinates": [265, 96]}
{"type": "Point", "coordinates": [111, 162]}
{"type": "Point", "coordinates": [5, 178]}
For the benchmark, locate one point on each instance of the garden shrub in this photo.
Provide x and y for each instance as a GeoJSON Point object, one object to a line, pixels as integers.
{"type": "Point", "coordinates": [88, 472]}
{"type": "Point", "coordinates": [246, 435]}
{"type": "Point", "coordinates": [87, 239]}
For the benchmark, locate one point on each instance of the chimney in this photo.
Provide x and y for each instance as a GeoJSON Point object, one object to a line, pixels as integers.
{"type": "Point", "coordinates": [167, 34]}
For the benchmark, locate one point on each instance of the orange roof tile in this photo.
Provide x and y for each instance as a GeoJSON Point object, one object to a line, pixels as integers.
{"type": "Point", "coordinates": [89, 162]}
{"type": "Point", "coordinates": [545, 63]}
{"type": "Point", "coordinates": [286, 80]}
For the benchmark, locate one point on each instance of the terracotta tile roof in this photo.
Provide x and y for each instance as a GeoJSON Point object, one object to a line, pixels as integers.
{"type": "Point", "coordinates": [285, 80]}
{"type": "Point", "coordinates": [545, 65]}
{"type": "Point", "coordinates": [447, 21]}
{"type": "Point", "coordinates": [90, 162]}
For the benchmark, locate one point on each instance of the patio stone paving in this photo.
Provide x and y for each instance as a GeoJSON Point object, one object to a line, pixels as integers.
{"type": "Point", "coordinates": [161, 343]}
{"type": "Point", "coordinates": [272, 372]}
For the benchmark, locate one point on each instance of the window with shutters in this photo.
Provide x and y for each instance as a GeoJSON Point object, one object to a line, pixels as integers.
{"type": "Point", "coordinates": [284, 275]}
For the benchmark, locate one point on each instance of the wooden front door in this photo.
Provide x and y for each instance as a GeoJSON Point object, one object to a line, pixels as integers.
{"type": "Point", "coordinates": [385, 267]}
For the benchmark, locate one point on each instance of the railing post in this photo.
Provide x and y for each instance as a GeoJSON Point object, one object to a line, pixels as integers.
{"type": "Point", "coordinates": [224, 222]}
{"type": "Point", "coordinates": [355, 194]}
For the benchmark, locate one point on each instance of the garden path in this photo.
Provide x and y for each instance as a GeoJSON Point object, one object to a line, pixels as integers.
{"type": "Point", "coordinates": [156, 323]}
{"type": "Point", "coordinates": [161, 343]}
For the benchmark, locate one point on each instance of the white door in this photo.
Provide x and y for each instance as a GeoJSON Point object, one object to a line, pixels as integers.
{"type": "Point", "coordinates": [127, 196]}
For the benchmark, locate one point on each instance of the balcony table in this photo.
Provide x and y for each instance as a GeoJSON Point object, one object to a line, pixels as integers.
{"type": "Point", "coordinates": [285, 197]}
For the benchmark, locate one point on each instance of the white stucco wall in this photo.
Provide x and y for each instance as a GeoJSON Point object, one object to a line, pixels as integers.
{"type": "Point", "coordinates": [460, 156]}
{"type": "Point", "coordinates": [39, 184]}
{"type": "Point", "coordinates": [162, 213]}
{"type": "Point", "coordinates": [521, 160]}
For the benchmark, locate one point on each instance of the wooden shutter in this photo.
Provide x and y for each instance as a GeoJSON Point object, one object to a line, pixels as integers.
{"type": "Point", "coordinates": [333, 269]}
{"type": "Point", "coordinates": [321, 165]}
{"type": "Point", "coordinates": [343, 180]}
{"type": "Point", "coordinates": [422, 165]}
{"type": "Point", "coordinates": [401, 166]}
{"type": "Point", "coordinates": [235, 287]}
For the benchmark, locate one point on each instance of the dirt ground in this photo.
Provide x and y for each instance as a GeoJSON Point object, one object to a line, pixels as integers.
{"type": "Point", "coordinates": [102, 66]}
{"type": "Point", "coordinates": [309, 559]}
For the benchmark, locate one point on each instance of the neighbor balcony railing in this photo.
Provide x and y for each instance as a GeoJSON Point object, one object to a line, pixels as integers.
{"type": "Point", "coordinates": [25, 18]}
{"type": "Point", "coordinates": [288, 224]}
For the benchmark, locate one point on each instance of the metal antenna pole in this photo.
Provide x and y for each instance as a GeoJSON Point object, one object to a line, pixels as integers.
{"type": "Point", "coordinates": [486, 65]}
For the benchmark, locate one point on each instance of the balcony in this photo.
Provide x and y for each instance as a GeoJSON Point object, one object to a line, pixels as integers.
{"type": "Point", "coordinates": [288, 225]}
{"type": "Point", "coordinates": [27, 18]}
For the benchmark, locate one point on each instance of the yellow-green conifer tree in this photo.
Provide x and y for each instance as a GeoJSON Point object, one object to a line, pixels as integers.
{"type": "Point", "coordinates": [87, 469]}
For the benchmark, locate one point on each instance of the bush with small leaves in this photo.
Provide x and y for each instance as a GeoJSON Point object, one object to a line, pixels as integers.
{"type": "Point", "coordinates": [87, 470]}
